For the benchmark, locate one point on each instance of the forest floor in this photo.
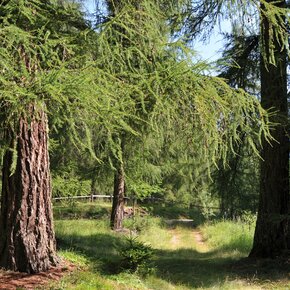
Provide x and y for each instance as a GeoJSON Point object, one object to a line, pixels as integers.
{"type": "Point", "coordinates": [13, 280]}
{"type": "Point", "coordinates": [189, 253]}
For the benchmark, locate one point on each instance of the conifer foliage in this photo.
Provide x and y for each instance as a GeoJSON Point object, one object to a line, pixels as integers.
{"type": "Point", "coordinates": [122, 82]}
{"type": "Point", "coordinates": [162, 85]}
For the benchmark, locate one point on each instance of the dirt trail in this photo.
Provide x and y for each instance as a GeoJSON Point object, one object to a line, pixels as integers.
{"type": "Point", "coordinates": [201, 246]}
{"type": "Point", "coordinates": [194, 234]}
{"type": "Point", "coordinates": [198, 237]}
{"type": "Point", "coordinates": [175, 240]}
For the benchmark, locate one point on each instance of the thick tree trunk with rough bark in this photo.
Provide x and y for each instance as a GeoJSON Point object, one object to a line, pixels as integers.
{"type": "Point", "coordinates": [117, 214]}
{"type": "Point", "coordinates": [27, 241]}
{"type": "Point", "coordinates": [272, 223]}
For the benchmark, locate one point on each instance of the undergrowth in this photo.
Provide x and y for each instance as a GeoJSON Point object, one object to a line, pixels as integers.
{"type": "Point", "coordinates": [179, 262]}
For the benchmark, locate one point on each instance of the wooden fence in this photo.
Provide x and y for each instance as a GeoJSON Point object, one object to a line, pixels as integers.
{"type": "Point", "coordinates": [93, 197]}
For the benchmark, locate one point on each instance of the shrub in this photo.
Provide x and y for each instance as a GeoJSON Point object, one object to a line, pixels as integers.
{"type": "Point", "coordinates": [136, 255]}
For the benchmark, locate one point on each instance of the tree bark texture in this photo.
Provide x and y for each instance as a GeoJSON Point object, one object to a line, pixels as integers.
{"type": "Point", "coordinates": [117, 214]}
{"type": "Point", "coordinates": [27, 240]}
{"type": "Point", "coordinates": [270, 238]}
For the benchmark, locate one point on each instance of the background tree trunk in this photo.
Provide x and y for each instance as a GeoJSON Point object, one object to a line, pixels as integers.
{"type": "Point", "coordinates": [272, 223]}
{"type": "Point", "coordinates": [27, 240]}
{"type": "Point", "coordinates": [117, 214]}
{"type": "Point", "coordinates": [93, 186]}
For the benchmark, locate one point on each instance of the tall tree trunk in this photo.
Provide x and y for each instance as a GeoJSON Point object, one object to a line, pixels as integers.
{"type": "Point", "coordinates": [270, 238]}
{"type": "Point", "coordinates": [117, 214]}
{"type": "Point", "coordinates": [27, 241]}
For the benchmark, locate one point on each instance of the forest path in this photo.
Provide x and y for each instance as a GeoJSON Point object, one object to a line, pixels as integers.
{"type": "Point", "coordinates": [201, 245]}
{"type": "Point", "coordinates": [185, 235]}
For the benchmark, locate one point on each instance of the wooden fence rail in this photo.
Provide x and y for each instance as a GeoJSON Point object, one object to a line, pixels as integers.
{"type": "Point", "coordinates": [93, 196]}
{"type": "Point", "coordinates": [96, 196]}
{"type": "Point", "coordinates": [110, 197]}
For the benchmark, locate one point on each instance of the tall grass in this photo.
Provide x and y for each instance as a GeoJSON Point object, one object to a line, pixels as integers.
{"type": "Point", "coordinates": [235, 237]}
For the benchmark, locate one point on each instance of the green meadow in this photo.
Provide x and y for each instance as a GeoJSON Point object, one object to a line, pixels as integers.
{"type": "Point", "coordinates": [188, 252]}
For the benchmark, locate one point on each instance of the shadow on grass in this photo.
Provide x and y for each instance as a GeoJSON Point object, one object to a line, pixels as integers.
{"type": "Point", "coordinates": [99, 249]}
{"type": "Point", "coordinates": [180, 267]}
{"type": "Point", "coordinates": [195, 269]}
{"type": "Point", "coordinates": [191, 268]}
{"type": "Point", "coordinates": [176, 223]}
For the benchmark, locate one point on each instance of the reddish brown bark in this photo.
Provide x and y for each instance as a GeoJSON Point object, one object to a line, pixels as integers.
{"type": "Point", "coordinates": [27, 241]}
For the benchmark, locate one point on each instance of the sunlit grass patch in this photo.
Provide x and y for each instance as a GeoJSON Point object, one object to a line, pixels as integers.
{"type": "Point", "coordinates": [74, 257]}
{"type": "Point", "coordinates": [84, 280]}
{"type": "Point", "coordinates": [235, 237]}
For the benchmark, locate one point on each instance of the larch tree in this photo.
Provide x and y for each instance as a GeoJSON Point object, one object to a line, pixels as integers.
{"type": "Point", "coordinates": [37, 74]}
{"type": "Point", "coordinates": [272, 228]}
{"type": "Point", "coordinates": [162, 88]}
{"type": "Point", "coordinates": [132, 31]}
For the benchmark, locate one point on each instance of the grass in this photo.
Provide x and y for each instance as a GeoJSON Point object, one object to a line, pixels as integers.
{"type": "Point", "coordinates": [228, 236]}
{"type": "Point", "coordinates": [173, 211]}
{"type": "Point", "coordinates": [77, 210]}
{"type": "Point", "coordinates": [181, 260]}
